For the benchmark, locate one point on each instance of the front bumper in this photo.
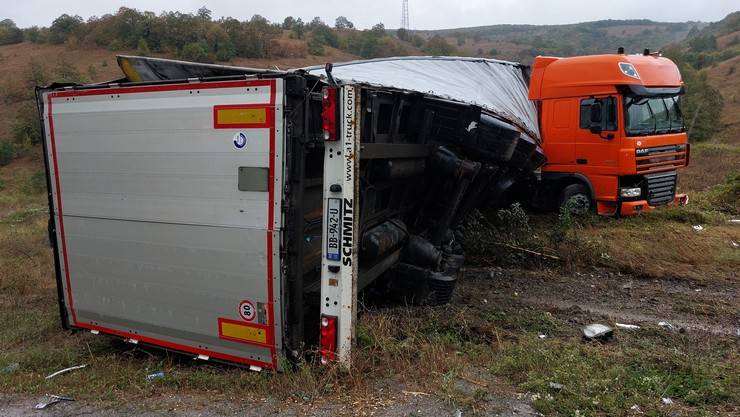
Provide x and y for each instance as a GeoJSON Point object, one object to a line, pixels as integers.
{"type": "Point", "coordinates": [633, 208]}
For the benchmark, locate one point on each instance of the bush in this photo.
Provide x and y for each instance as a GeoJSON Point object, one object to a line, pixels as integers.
{"type": "Point", "coordinates": [65, 26]}
{"type": "Point", "coordinates": [142, 48]}
{"type": "Point", "coordinates": [26, 128]}
{"type": "Point", "coordinates": [316, 45]}
{"type": "Point", "coordinates": [438, 46]}
{"type": "Point", "coordinates": [34, 183]}
{"type": "Point", "coordinates": [66, 72]}
{"type": "Point", "coordinates": [195, 51]}
{"type": "Point", "coordinates": [726, 197]}
{"type": "Point", "coordinates": [9, 33]}
{"type": "Point", "coordinates": [7, 153]}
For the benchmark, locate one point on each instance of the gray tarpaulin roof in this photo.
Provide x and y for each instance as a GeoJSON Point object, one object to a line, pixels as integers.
{"type": "Point", "coordinates": [500, 87]}
{"type": "Point", "coordinates": [497, 86]}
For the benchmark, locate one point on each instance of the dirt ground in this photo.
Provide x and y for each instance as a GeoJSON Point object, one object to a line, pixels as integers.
{"type": "Point", "coordinates": [699, 310]}
{"type": "Point", "coordinates": [419, 405]}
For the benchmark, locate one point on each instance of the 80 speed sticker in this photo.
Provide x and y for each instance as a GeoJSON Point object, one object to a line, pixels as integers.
{"type": "Point", "coordinates": [247, 310]}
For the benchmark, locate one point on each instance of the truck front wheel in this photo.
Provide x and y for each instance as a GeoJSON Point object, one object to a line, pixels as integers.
{"type": "Point", "coordinates": [576, 199]}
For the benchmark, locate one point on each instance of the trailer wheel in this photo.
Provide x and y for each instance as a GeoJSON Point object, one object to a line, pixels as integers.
{"type": "Point", "coordinates": [576, 199]}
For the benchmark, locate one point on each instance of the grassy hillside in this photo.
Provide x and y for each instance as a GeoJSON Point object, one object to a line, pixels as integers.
{"type": "Point", "coordinates": [522, 42]}
{"type": "Point", "coordinates": [513, 328]}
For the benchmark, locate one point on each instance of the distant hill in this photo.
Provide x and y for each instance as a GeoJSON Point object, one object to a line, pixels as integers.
{"type": "Point", "coordinates": [523, 42]}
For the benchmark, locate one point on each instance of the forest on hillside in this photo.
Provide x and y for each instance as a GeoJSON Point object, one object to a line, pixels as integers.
{"type": "Point", "coordinates": [200, 37]}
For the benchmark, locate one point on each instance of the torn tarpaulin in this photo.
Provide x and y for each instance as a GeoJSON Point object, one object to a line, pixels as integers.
{"type": "Point", "coordinates": [500, 87]}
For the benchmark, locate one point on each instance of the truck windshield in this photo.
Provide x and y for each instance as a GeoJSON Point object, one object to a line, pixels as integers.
{"type": "Point", "coordinates": [652, 115]}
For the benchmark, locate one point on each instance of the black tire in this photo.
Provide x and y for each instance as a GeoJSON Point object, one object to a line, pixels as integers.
{"type": "Point", "coordinates": [576, 199]}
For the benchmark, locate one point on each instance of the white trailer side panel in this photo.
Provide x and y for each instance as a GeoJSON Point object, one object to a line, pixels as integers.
{"type": "Point", "coordinates": [167, 206]}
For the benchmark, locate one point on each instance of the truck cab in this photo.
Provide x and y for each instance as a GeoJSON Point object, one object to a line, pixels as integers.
{"type": "Point", "coordinates": [612, 131]}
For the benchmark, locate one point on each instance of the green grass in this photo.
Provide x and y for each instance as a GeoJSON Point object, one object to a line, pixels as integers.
{"type": "Point", "coordinates": [427, 349]}
{"type": "Point", "coordinates": [609, 379]}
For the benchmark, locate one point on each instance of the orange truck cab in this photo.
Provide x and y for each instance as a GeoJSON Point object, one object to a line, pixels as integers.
{"type": "Point", "coordinates": [612, 131]}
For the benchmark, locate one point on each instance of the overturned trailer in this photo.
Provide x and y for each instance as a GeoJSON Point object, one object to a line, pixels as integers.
{"type": "Point", "coordinates": [234, 214]}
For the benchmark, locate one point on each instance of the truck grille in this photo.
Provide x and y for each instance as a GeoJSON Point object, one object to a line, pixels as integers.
{"type": "Point", "coordinates": [661, 188]}
{"type": "Point", "coordinates": [660, 158]}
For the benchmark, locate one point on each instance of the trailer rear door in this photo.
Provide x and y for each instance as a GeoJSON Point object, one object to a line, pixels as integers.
{"type": "Point", "coordinates": [166, 213]}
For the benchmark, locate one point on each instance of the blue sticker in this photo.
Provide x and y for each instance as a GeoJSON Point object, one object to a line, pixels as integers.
{"type": "Point", "coordinates": [240, 140]}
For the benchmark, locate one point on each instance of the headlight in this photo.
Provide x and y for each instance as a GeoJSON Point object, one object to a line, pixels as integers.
{"type": "Point", "coordinates": [630, 192]}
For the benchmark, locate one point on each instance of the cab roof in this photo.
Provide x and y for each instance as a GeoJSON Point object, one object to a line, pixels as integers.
{"type": "Point", "coordinates": [554, 77]}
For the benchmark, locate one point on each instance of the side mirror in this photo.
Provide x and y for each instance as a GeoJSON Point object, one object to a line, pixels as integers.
{"type": "Point", "coordinates": [595, 126]}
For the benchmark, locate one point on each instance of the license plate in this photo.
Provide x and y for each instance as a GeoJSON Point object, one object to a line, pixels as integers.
{"type": "Point", "coordinates": [333, 229]}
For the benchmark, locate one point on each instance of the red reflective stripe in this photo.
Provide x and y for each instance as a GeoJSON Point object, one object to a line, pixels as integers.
{"type": "Point", "coordinates": [270, 228]}
{"type": "Point", "coordinates": [168, 87]}
{"type": "Point", "coordinates": [61, 214]}
{"type": "Point", "coordinates": [271, 215]}
{"type": "Point", "coordinates": [176, 346]}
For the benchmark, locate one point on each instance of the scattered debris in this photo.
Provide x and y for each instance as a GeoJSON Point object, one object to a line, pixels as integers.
{"type": "Point", "coordinates": [529, 251]}
{"type": "Point", "coordinates": [458, 413]}
{"type": "Point", "coordinates": [51, 400]}
{"type": "Point", "coordinates": [666, 325]}
{"type": "Point", "coordinates": [155, 376]}
{"type": "Point", "coordinates": [627, 326]}
{"type": "Point", "coordinates": [473, 381]}
{"type": "Point", "coordinates": [597, 331]}
{"type": "Point", "coordinates": [542, 336]}
{"type": "Point", "coordinates": [414, 393]}
{"type": "Point", "coordinates": [555, 386]}
{"type": "Point", "coordinates": [735, 221]}
{"type": "Point", "coordinates": [698, 228]}
{"type": "Point", "coordinates": [636, 408]}
{"type": "Point", "coordinates": [734, 244]}
{"type": "Point", "coordinates": [65, 370]}
{"type": "Point", "coordinates": [10, 368]}
{"type": "Point", "coordinates": [666, 401]}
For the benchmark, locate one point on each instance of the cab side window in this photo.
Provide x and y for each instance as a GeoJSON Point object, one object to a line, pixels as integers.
{"type": "Point", "coordinates": [600, 112]}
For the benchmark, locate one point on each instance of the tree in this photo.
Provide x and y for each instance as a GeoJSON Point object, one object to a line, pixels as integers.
{"type": "Point", "coordinates": [9, 33]}
{"type": "Point", "coordinates": [204, 14]}
{"type": "Point", "coordinates": [33, 34]}
{"type": "Point", "coordinates": [316, 22]}
{"type": "Point", "coordinates": [219, 42]}
{"type": "Point", "coordinates": [143, 48]}
{"type": "Point", "coordinates": [701, 105]}
{"type": "Point", "coordinates": [343, 23]}
{"type": "Point", "coordinates": [299, 29]}
{"type": "Point", "coordinates": [438, 46]}
{"type": "Point", "coordinates": [315, 45]}
{"type": "Point", "coordinates": [403, 34]}
{"type": "Point", "coordinates": [288, 23]}
{"type": "Point", "coordinates": [378, 29]}
{"type": "Point", "coordinates": [704, 43]}
{"type": "Point", "coordinates": [195, 51]}
{"type": "Point", "coordinates": [65, 26]}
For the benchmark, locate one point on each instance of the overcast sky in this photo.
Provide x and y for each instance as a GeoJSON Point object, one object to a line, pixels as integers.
{"type": "Point", "coordinates": [427, 14]}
